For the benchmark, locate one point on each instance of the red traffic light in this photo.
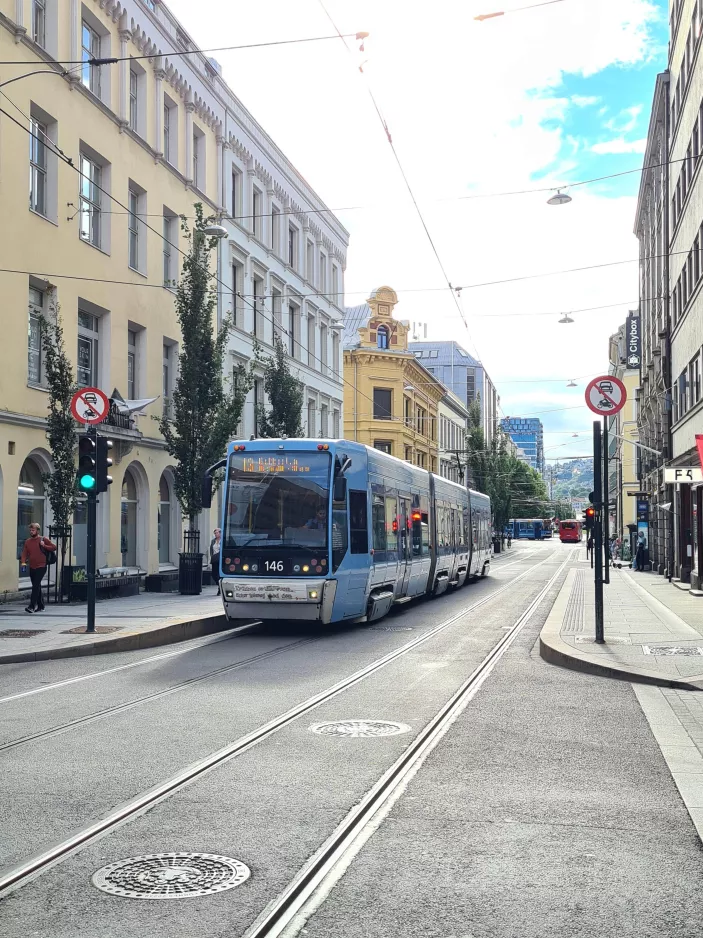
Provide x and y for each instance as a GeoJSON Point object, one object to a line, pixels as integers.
{"type": "Point", "coordinates": [590, 512]}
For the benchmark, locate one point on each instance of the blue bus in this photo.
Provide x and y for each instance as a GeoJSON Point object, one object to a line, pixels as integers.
{"type": "Point", "coordinates": [333, 530]}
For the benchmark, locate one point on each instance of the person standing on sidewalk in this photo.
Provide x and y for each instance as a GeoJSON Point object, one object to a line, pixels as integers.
{"type": "Point", "coordinates": [639, 553]}
{"type": "Point", "coordinates": [215, 557]}
{"type": "Point", "coordinates": [34, 553]}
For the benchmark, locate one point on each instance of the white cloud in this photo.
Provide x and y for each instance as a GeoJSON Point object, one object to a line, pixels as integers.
{"type": "Point", "coordinates": [466, 104]}
{"type": "Point", "coordinates": [584, 100]}
{"type": "Point", "coordinates": [620, 145]}
{"type": "Point", "coordinates": [626, 120]}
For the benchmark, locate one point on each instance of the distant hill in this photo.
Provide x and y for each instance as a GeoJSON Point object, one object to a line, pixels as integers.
{"type": "Point", "coordinates": [572, 479]}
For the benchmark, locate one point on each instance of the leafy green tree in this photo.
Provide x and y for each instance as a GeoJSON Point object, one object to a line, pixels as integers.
{"type": "Point", "coordinates": [285, 393]}
{"type": "Point", "coordinates": [206, 408]}
{"type": "Point", "coordinates": [60, 425]}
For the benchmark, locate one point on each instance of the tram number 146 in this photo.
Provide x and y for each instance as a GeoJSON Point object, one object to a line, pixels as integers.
{"type": "Point", "coordinates": [274, 566]}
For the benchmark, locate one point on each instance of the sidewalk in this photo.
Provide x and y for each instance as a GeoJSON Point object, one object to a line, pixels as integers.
{"type": "Point", "coordinates": [122, 624]}
{"type": "Point", "coordinates": [653, 631]}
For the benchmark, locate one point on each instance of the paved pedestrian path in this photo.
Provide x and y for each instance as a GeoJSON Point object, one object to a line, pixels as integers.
{"type": "Point", "coordinates": [122, 624]}
{"type": "Point", "coordinates": [653, 631]}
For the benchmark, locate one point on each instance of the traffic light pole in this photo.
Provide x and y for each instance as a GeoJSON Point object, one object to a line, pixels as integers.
{"type": "Point", "coordinates": [606, 502]}
{"type": "Point", "coordinates": [598, 528]}
{"type": "Point", "coordinates": [91, 546]}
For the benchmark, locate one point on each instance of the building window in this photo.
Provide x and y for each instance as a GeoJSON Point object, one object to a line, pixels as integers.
{"type": "Point", "coordinates": [310, 262]}
{"type": "Point", "coordinates": [39, 22]}
{"type": "Point", "coordinates": [323, 273]}
{"type": "Point", "coordinates": [292, 319]}
{"type": "Point", "coordinates": [385, 446]}
{"type": "Point", "coordinates": [408, 454]}
{"type": "Point", "coordinates": [311, 418]}
{"type": "Point", "coordinates": [164, 521]}
{"type": "Point", "coordinates": [168, 248]}
{"type": "Point", "coordinates": [382, 403]}
{"type": "Point", "coordinates": [277, 313]}
{"type": "Point", "coordinates": [694, 380]}
{"type": "Point", "coordinates": [35, 370]}
{"type": "Point", "coordinates": [196, 158]}
{"type": "Point", "coordinates": [335, 424]}
{"type": "Point", "coordinates": [292, 246]}
{"type": "Point", "coordinates": [470, 385]}
{"type": "Point", "coordinates": [312, 358]}
{"type": "Point", "coordinates": [236, 182]}
{"type": "Point", "coordinates": [133, 100]}
{"type": "Point", "coordinates": [90, 49]}
{"type": "Point", "coordinates": [37, 167]}
{"type": "Point", "coordinates": [167, 133]}
{"type": "Point", "coordinates": [257, 304]}
{"type": "Point", "coordinates": [87, 373]}
{"type": "Point", "coordinates": [131, 365]}
{"type": "Point", "coordinates": [382, 337]}
{"type": "Point", "coordinates": [324, 424]}
{"type": "Point", "coordinates": [335, 285]}
{"type": "Point", "coordinates": [258, 403]}
{"type": "Point", "coordinates": [255, 226]}
{"type": "Point", "coordinates": [166, 380]}
{"type": "Point", "coordinates": [237, 281]}
{"type": "Point", "coordinates": [335, 354]}
{"type": "Point", "coordinates": [275, 229]}
{"type": "Point", "coordinates": [170, 131]}
{"type": "Point", "coordinates": [323, 349]}
{"type": "Point", "coordinates": [90, 201]}
{"type": "Point", "coordinates": [133, 229]}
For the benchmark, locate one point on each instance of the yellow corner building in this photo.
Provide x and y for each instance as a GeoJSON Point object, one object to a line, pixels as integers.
{"type": "Point", "coordinates": [391, 401]}
{"type": "Point", "coordinates": [96, 164]}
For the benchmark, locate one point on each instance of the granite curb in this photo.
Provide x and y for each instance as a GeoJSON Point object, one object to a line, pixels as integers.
{"type": "Point", "coordinates": [150, 637]}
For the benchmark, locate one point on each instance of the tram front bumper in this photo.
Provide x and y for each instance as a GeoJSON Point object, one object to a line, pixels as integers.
{"type": "Point", "coordinates": [258, 598]}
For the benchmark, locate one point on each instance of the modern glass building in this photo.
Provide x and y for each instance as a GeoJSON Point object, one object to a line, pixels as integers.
{"type": "Point", "coordinates": [528, 435]}
{"type": "Point", "coordinates": [462, 374]}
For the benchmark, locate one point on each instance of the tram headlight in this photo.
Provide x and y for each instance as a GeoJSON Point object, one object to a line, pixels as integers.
{"type": "Point", "coordinates": [313, 594]}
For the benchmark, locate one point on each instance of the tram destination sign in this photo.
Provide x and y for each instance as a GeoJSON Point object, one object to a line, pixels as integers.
{"type": "Point", "coordinates": [606, 395]}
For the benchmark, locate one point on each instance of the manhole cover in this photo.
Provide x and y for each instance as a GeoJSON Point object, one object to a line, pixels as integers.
{"type": "Point", "coordinates": [359, 728]}
{"type": "Point", "coordinates": [22, 633]}
{"type": "Point", "coordinates": [99, 630]}
{"type": "Point", "coordinates": [391, 628]}
{"type": "Point", "coordinates": [687, 650]}
{"type": "Point", "coordinates": [170, 876]}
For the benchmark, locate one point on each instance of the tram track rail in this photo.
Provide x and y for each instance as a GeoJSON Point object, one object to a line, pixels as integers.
{"type": "Point", "coordinates": [19, 874]}
{"type": "Point", "coordinates": [287, 914]}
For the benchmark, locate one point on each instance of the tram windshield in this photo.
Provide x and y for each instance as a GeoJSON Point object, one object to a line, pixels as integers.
{"type": "Point", "coordinates": [277, 500]}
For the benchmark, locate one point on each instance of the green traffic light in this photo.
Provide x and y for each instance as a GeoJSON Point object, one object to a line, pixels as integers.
{"type": "Point", "coordinates": [87, 482]}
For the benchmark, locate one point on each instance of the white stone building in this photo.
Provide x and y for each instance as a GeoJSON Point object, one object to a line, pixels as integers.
{"type": "Point", "coordinates": [452, 416]}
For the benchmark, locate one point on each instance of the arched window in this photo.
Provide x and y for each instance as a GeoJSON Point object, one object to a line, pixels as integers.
{"type": "Point", "coordinates": [31, 502]}
{"type": "Point", "coordinates": [382, 337]}
{"type": "Point", "coordinates": [128, 527]}
{"type": "Point", "coordinates": [164, 532]}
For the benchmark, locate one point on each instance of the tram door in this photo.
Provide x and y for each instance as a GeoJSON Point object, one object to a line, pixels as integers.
{"type": "Point", "coordinates": [405, 548]}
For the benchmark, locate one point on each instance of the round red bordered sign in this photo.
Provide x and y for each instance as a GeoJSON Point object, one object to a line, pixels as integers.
{"type": "Point", "coordinates": [89, 405]}
{"type": "Point", "coordinates": [606, 395]}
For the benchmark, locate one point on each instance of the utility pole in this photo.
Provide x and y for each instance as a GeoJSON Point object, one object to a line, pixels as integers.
{"type": "Point", "coordinates": [598, 528]}
{"type": "Point", "coordinates": [606, 502]}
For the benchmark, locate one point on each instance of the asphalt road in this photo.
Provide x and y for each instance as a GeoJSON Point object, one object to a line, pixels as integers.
{"type": "Point", "coordinates": [547, 809]}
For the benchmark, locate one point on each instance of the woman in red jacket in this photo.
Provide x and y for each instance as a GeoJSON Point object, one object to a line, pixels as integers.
{"type": "Point", "coordinates": [33, 553]}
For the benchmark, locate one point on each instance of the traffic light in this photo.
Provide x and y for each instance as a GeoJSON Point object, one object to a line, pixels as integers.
{"type": "Point", "coordinates": [87, 464]}
{"type": "Point", "coordinates": [104, 463]}
{"type": "Point", "coordinates": [590, 516]}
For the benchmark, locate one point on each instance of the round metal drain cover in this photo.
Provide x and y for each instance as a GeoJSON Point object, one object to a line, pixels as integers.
{"type": "Point", "coordinates": [359, 728]}
{"type": "Point", "coordinates": [170, 876]}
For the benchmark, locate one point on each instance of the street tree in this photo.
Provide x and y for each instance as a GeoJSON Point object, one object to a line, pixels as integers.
{"type": "Point", "coordinates": [205, 408]}
{"type": "Point", "coordinates": [283, 416]}
{"type": "Point", "coordinates": [60, 425]}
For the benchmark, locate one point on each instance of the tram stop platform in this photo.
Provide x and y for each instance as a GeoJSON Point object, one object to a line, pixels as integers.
{"type": "Point", "coordinates": [123, 624]}
{"type": "Point", "coordinates": [653, 631]}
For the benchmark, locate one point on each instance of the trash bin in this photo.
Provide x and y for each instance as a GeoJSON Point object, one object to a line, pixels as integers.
{"type": "Point", "coordinates": [496, 545]}
{"type": "Point", "coordinates": [190, 578]}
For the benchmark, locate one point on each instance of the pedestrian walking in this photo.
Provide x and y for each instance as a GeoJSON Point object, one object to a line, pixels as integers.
{"type": "Point", "coordinates": [639, 553]}
{"type": "Point", "coordinates": [34, 553]}
{"type": "Point", "coordinates": [589, 545]}
{"type": "Point", "coordinates": [215, 557]}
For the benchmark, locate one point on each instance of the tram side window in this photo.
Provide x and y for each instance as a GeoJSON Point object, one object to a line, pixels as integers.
{"type": "Point", "coordinates": [421, 533]}
{"type": "Point", "coordinates": [378, 520]}
{"type": "Point", "coordinates": [340, 537]}
{"type": "Point", "coordinates": [358, 522]}
{"type": "Point", "coordinates": [391, 524]}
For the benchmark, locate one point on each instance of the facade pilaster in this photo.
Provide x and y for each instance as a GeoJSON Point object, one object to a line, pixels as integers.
{"type": "Point", "coordinates": [159, 75]}
{"type": "Point", "coordinates": [20, 28]}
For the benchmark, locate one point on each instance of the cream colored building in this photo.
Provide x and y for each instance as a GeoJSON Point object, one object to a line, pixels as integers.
{"type": "Point", "coordinates": [96, 163]}
{"type": "Point", "coordinates": [623, 474]}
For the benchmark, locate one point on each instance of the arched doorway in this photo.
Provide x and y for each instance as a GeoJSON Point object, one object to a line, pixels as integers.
{"type": "Point", "coordinates": [128, 525]}
{"type": "Point", "coordinates": [31, 503]}
{"type": "Point", "coordinates": [165, 519]}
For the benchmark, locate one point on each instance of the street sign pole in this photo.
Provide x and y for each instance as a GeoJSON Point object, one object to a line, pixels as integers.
{"type": "Point", "coordinates": [91, 546]}
{"type": "Point", "coordinates": [606, 502]}
{"type": "Point", "coordinates": [598, 529]}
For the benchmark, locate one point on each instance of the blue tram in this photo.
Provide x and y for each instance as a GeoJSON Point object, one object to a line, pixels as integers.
{"type": "Point", "coordinates": [333, 530]}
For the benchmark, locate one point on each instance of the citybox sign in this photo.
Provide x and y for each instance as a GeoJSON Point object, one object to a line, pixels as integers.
{"type": "Point", "coordinates": [633, 340]}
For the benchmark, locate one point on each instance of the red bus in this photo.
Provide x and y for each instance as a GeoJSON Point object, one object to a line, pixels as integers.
{"type": "Point", "coordinates": [569, 531]}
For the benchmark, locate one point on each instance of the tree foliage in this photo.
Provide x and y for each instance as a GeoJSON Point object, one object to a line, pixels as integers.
{"type": "Point", "coordinates": [60, 429]}
{"type": "Point", "coordinates": [285, 393]}
{"type": "Point", "coordinates": [516, 490]}
{"type": "Point", "coordinates": [206, 407]}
